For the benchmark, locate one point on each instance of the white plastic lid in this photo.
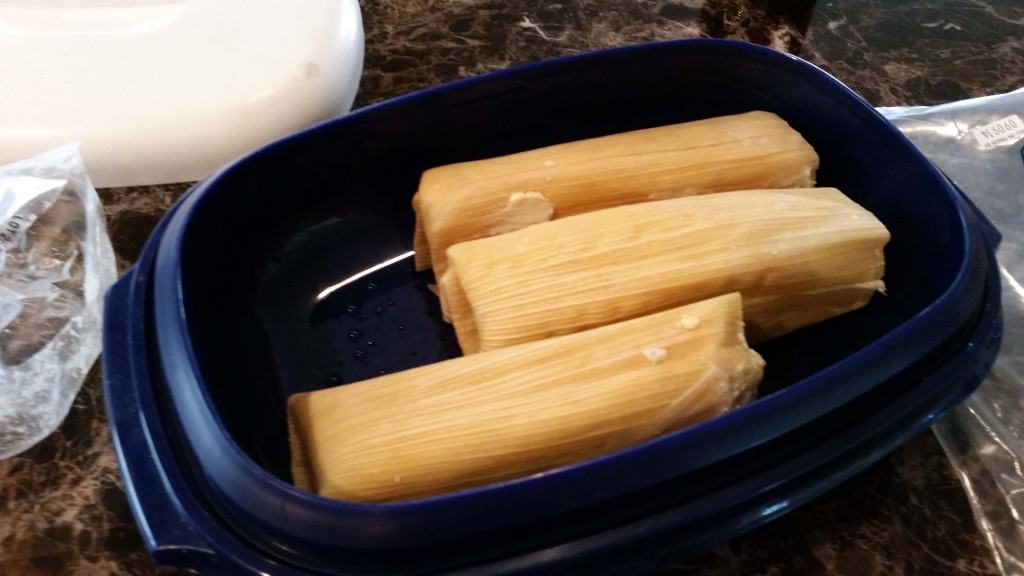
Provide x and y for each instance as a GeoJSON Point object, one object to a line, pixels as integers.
{"type": "Point", "coordinates": [163, 91]}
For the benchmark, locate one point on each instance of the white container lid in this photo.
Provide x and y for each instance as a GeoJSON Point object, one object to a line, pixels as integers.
{"type": "Point", "coordinates": [161, 91]}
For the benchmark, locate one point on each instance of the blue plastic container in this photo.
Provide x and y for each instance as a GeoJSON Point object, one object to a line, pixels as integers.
{"type": "Point", "coordinates": [219, 322]}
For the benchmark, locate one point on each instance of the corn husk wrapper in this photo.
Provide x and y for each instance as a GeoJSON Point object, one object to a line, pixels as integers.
{"type": "Point", "coordinates": [524, 409]}
{"type": "Point", "coordinates": [799, 256]}
{"type": "Point", "coordinates": [470, 200]}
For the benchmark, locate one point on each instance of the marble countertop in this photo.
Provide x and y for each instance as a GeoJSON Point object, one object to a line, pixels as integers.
{"type": "Point", "coordinates": [62, 509]}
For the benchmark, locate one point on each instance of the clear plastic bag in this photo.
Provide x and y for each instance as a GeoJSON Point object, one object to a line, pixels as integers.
{"type": "Point", "coordinates": [56, 263]}
{"type": "Point", "coordinates": [979, 144]}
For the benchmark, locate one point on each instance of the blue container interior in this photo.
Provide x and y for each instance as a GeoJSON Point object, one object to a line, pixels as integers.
{"type": "Point", "coordinates": [261, 240]}
{"type": "Point", "coordinates": [316, 210]}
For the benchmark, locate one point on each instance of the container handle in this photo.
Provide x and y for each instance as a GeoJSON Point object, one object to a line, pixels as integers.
{"type": "Point", "coordinates": [169, 535]}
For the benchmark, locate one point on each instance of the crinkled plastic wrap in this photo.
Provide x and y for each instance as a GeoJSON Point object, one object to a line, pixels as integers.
{"type": "Point", "coordinates": [979, 144]}
{"type": "Point", "coordinates": [56, 263]}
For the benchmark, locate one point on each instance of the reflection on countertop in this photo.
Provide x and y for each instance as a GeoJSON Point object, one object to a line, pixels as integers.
{"type": "Point", "coordinates": [62, 510]}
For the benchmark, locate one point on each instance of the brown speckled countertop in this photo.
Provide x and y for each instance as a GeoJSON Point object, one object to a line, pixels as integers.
{"type": "Point", "coordinates": [62, 510]}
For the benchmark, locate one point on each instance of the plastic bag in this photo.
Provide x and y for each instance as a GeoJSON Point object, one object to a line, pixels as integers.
{"type": "Point", "coordinates": [56, 263]}
{"type": "Point", "coordinates": [979, 144]}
